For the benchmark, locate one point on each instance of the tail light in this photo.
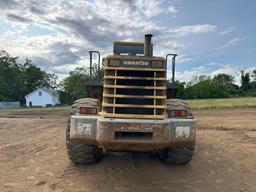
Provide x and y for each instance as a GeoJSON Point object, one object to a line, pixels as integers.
{"type": "Point", "coordinates": [88, 110]}
{"type": "Point", "coordinates": [178, 113]}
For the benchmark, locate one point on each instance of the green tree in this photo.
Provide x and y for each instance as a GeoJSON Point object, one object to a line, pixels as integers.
{"type": "Point", "coordinates": [180, 86]}
{"type": "Point", "coordinates": [73, 86]}
{"type": "Point", "coordinates": [245, 82]}
{"type": "Point", "coordinates": [253, 83]}
{"type": "Point", "coordinates": [9, 77]}
{"type": "Point", "coordinates": [254, 75]}
{"type": "Point", "coordinates": [199, 87]}
{"type": "Point", "coordinates": [224, 85]}
{"type": "Point", "coordinates": [17, 80]}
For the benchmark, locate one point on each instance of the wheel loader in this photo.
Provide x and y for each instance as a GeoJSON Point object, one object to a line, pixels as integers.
{"type": "Point", "coordinates": [134, 109]}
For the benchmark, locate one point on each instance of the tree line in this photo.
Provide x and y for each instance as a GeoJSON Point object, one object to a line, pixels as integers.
{"type": "Point", "coordinates": [218, 86]}
{"type": "Point", "coordinates": [18, 79]}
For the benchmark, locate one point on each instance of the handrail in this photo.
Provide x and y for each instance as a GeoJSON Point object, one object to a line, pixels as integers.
{"type": "Point", "coordinates": [90, 53]}
{"type": "Point", "coordinates": [173, 65]}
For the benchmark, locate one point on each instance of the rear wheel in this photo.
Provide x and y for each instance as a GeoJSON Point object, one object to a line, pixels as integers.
{"type": "Point", "coordinates": [81, 153]}
{"type": "Point", "coordinates": [179, 154]}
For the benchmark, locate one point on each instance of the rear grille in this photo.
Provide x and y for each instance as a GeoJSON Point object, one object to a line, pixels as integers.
{"type": "Point", "coordinates": [134, 93]}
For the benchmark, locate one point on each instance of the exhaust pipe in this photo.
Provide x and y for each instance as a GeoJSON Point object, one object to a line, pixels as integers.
{"type": "Point", "coordinates": [147, 45]}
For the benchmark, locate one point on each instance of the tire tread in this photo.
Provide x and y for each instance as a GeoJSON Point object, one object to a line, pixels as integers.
{"type": "Point", "coordinates": [81, 153]}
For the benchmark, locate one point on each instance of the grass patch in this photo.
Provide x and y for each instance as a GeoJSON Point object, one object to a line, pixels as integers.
{"type": "Point", "coordinates": [195, 104]}
{"type": "Point", "coordinates": [36, 109]}
{"type": "Point", "coordinates": [228, 103]}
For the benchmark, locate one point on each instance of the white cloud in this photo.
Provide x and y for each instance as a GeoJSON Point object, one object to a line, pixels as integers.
{"type": "Point", "coordinates": [227, 31]}
{"type": "Point", "coordinates": [172, 10]}
{"type": "Point", "coordinates": [231, 43]}
{"type": "Point", "coordinates": [80, 26]}
{"type": "Point", "coordinates": [183, 58]}
{"type": "Point", "coordinates": [192, 29]}
{"type": "Point", "coordinates": [234, 71]}
{"type": "Point", "coordinates": [188, 75]}
{"type": "Point", "coordinates": [230, 70]}
{"type": "Point", "coordinates": [151, 8]}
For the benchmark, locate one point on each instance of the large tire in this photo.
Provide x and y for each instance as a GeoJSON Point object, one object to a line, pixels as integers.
{"type": "Point", "coordinates": [81, 153]}
{"type": "Point", "coordinates": [179, 154]}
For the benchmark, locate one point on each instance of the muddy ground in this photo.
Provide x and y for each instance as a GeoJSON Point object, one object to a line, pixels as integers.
{"type": "Point", "coordinates": [33, 157]}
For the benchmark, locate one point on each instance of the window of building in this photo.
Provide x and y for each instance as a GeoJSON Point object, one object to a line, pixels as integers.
{"type": "Point", "coordinates": [40, 93]}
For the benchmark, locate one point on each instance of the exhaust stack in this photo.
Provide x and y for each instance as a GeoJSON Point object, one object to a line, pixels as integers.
{"type": "Point", "coordinates": [147, 45]}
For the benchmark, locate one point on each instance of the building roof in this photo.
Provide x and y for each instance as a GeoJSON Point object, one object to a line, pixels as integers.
{"type": "Point", "coordinates": [46, 89]}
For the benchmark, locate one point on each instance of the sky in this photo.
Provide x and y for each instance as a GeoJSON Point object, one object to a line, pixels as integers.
{"type": "Point", "coordinates": [209, 36]}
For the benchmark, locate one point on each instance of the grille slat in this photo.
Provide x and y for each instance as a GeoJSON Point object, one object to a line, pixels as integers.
{"type": "Point", "coordinates": [135, 106]}
{"type": "Point", "coordinates": [134, 87]}
{"type": "Point", "coordinates": [135, 96]}
{"type": "Point", "coordinates": [134, 78]}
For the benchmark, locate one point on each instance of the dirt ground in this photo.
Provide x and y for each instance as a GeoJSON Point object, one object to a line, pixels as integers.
{"type": "Point", "coordinates": [33, 158]}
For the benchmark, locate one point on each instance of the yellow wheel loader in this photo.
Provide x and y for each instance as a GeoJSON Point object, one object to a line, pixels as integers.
{"type": "Point", "coordinates": [134, 109]}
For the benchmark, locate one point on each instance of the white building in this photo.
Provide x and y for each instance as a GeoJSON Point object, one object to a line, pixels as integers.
{"type": "Point", "coordinates": [43, 96]}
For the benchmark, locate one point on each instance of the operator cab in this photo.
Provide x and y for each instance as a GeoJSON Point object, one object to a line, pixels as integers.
{"type": "Point", "coordinates": [130, 48]}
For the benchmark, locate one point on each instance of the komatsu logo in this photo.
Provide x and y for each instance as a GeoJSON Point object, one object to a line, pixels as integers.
{"type": "Point", "coordinates": [136, 63]}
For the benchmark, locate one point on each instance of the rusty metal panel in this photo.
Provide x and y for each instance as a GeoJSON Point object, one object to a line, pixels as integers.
{"type": "Point", "coordinates": [176, 124]}
{"type": "Point", "coordinates": [83, 128]}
